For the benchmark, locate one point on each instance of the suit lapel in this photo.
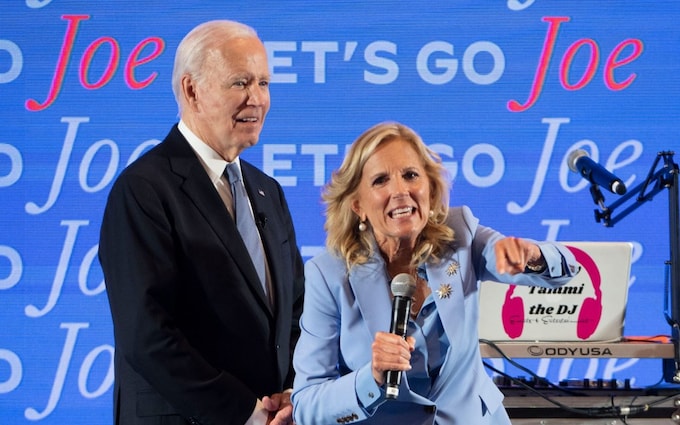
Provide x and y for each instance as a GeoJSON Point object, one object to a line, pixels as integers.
{"type": "Point", "coordinates": [444, 279]}
{"type": "Point", "coordinates": [372, 292]}
{"type": "Point", "coordinates": [200, 190]}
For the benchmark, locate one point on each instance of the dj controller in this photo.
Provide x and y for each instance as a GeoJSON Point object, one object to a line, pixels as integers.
{"type": "Point", "coordinates": [535, 401]}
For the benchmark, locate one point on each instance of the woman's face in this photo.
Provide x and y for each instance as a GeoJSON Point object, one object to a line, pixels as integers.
{"type": "Point", "coordinates": [394, 194]}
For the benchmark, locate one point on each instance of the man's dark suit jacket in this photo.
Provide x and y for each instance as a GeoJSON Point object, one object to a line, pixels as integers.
{"type": "Point", "coordinates": [195, 338]}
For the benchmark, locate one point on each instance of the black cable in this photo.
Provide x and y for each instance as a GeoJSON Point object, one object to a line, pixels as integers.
{"type": "Point", "coordinates": [613, 405]}
{"type": "Point", "coordinates": [595, 412]}
{"type": "Point", "coordinates": [530, 372]}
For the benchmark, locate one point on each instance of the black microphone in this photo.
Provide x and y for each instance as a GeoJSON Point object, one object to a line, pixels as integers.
{"type": "Point", "coordinates": [403, 286]}
{"type": "Point", "coordinates": [579, 162]}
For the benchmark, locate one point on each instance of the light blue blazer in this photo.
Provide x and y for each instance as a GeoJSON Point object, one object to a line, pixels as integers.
{"type": "Point", "coordinates": [343, 311]}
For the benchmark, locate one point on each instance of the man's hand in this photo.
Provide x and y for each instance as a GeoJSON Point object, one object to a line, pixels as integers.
{"type": "Point", "coordinates": [279, 407]}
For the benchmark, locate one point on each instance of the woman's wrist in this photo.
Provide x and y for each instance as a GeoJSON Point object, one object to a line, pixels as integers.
{"type": "Point", "coordinates": [536, 266]}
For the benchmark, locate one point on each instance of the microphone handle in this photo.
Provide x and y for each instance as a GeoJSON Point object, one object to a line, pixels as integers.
{"type": "Point", "coordinates": [597, 174]}
{"type": "Point", "coordinates": [401, 306]}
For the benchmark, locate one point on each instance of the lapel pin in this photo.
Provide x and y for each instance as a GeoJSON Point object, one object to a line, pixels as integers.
{"type": "Point", "coordinates": [261, 192]}
{"type": "Point", "coordinates": [452, 269]}
{"type": "Point", "coordinates": [444, 291]}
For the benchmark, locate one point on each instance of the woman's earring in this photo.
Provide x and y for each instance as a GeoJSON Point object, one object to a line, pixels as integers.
{"type": "Point", "coordinates": [431, 213]}
{"type": "Point", "coordinates": [362, 226]}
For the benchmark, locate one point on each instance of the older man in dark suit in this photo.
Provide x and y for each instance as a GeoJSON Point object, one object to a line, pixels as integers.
{"type": "Point", "coordinates": [204, 330]}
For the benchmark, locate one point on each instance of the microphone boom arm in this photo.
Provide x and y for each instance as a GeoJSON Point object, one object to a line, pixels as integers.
{"type": "Point", "coordinates": [664, 178]}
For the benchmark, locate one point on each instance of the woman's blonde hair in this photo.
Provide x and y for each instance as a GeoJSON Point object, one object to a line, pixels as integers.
{"type": "Point", "coordinates": [342, 225]}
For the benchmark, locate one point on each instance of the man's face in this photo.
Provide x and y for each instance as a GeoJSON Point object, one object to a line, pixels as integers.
{"type": "Point", "coordinates": [231, 100]}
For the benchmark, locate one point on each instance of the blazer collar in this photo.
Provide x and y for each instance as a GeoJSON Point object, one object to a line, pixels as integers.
{"type": "Point", "coordinates": [369, 282]}
{"type": "Point", "coordinates": [445, 280]}
{"type": "Point", "coordinates": [199, 188]}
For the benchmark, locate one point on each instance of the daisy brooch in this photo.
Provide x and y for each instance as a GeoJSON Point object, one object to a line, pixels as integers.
{"type": "Point", "coordinates": [444, 291]}
{"type": "Point", "coordinates": [452, 269]}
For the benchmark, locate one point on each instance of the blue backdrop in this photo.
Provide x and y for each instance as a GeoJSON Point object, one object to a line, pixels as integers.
{"type": "Point", "coordinates": [503, 90]}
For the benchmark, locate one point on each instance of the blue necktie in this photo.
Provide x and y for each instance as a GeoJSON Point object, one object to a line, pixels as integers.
{"type": "Point", "coordinates": [245, 222]}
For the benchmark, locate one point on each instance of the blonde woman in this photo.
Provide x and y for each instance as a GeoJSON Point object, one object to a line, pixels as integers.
{"type": "Point", "coordinates": [387, 214]}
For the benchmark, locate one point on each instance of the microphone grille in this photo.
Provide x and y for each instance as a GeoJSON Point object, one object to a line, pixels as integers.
{"type": "Point", "coordinates": [573, 157]}
{"type": "Point", "coordinates": [403, 285]}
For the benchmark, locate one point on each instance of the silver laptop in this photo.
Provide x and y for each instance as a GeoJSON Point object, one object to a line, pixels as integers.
{"type": "Point", "coordinates": [591, 307]}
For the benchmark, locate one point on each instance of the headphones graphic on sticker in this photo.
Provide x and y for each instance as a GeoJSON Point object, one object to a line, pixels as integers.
{"type": "Point", "coordinates": [590, 312]}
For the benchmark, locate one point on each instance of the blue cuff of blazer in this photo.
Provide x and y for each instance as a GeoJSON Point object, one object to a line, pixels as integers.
{"type": "Point", "coordinates": [369, 394]}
